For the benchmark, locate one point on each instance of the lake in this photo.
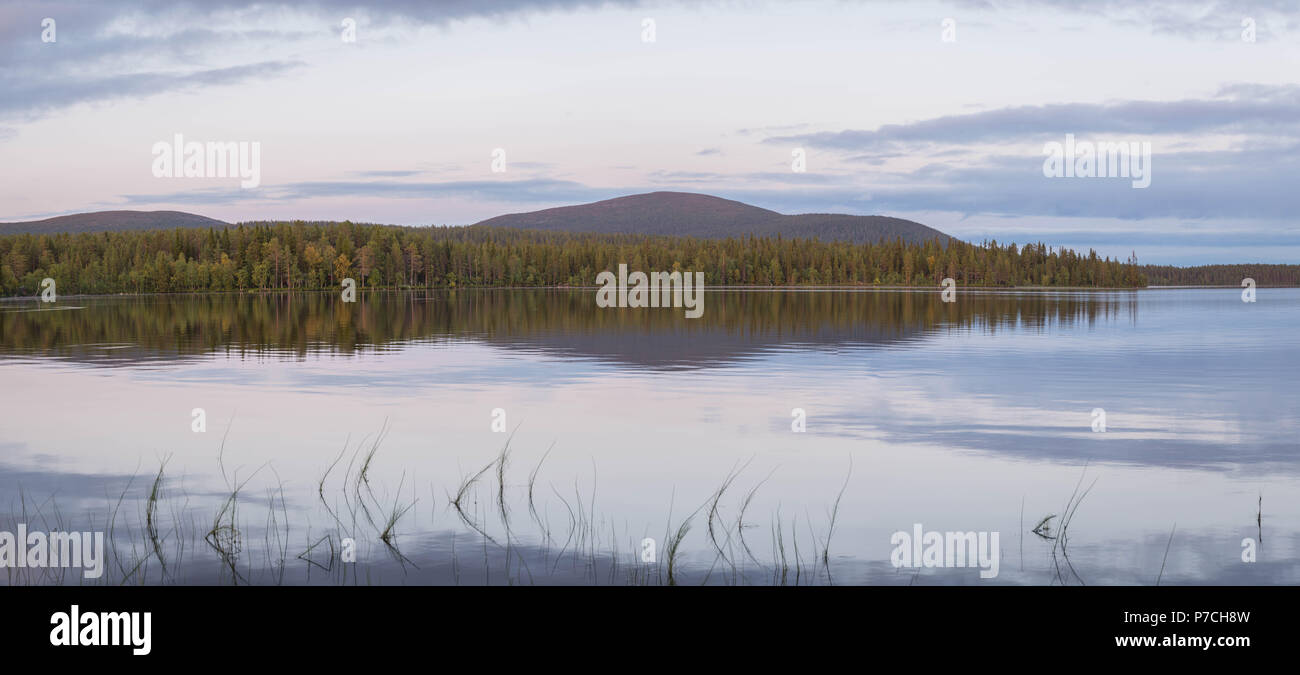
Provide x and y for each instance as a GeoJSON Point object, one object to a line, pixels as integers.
{"type": "Point", "coordinates": [530, 437]}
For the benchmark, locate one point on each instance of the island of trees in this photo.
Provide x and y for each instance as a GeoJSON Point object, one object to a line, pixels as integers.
{"type": "Point", "coordinates": [318, 255]}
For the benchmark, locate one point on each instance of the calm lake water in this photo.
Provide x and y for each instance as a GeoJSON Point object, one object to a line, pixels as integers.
{"type": "Point", "coordinates": [975, 416]}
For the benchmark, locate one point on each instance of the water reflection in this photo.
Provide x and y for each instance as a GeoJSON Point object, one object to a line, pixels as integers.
{"type": "Point", "coordinates": [735, 326]}
{"type": "Point", "coordinates": [970, 416]}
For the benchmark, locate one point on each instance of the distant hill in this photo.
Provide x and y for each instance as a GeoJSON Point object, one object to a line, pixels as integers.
{"type": "Point", "coordinates": [698, 215]}
{"type": "Point", "coordinates": [111, 221]}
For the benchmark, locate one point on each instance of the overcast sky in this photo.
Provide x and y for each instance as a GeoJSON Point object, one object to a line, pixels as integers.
{"type": "Point", "coordinates": [400, 125]}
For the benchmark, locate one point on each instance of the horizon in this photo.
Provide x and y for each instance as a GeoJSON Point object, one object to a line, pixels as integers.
{"type": "Point", "coordinates": [256, 221]}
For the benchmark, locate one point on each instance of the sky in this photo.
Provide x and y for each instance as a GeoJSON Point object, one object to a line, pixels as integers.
{"type": "Point", "coordinates": [940, 112]}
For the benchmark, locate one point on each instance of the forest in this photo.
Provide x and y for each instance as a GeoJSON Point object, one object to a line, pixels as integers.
{"type": "Point", "coordinates": [319, 255]}
{"type": "Point", "coordinates": [1222, 275]}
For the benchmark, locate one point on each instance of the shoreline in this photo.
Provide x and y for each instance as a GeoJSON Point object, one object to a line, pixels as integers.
{"type": "Point", "coordinates": [756, 289]}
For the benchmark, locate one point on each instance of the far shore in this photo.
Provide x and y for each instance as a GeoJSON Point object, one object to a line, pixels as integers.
{"type": "Point", "coordinates": [759, 289]}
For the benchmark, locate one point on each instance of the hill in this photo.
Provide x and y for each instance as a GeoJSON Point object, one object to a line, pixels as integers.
{"type": "Point", "coordinates": [111, 221]}
{"type": "Point", "coordinates": [698, 215]}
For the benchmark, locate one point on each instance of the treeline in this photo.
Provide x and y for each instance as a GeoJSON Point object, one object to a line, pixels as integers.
{"type": "Point", "coordinates": [1222, 275]}
{"type": "Point", "coordinates": [310, 255]}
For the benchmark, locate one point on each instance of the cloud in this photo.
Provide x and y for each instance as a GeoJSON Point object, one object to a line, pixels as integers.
{"type": "Point", "coordinates": [118, 50]}
{"type": "Point", "coordinates": [1237, 108]}
{"type": "Point", "coordinates": [28, 100]}
{"type": "Point", "coordinates": [1218, 20]}
{"type": "Point", "coordinates": [1252, 187]}
{"type": "Point", "coordinates": [395, 173]}
{"type": "Point", "coordinates": [520, 191]}
{"type": "Point", "coordinates": [1245, 174]}
{"type": "Point", "coordinates": [777, 129]}
{"type": "Point", "coordinates": [532, 165]}
{"type": "Point", "coordinates": [1246, 185]}
{"type": "Point", "coordinates": [680, 177]}
{"type": "Point", "coordinates": [115, 38]}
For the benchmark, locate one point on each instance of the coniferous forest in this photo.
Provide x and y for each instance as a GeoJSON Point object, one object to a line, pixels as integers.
{"type": "Point", "coordinates": [318, 255]}
{"type": "Point", "coordinates": [1222, 275]}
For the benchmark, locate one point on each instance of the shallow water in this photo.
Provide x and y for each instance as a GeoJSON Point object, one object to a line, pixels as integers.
{"type": "Point", "coordinates": [975, 416]}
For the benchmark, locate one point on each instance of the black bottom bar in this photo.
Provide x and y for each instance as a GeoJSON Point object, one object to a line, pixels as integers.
{"type": "Point", "coordinates": [303, 625]}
